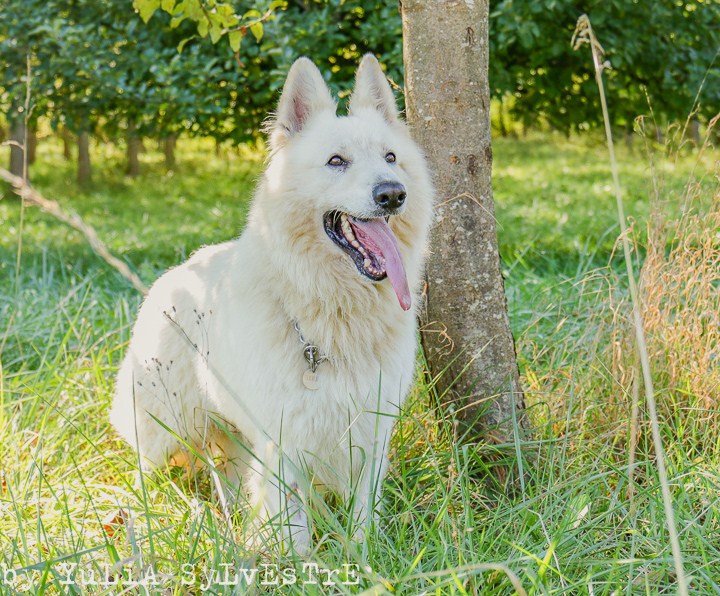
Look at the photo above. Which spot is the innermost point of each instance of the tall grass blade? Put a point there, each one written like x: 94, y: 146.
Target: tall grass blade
x: 584, y: 34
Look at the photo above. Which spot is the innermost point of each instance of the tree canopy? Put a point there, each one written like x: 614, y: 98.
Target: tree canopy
x: 214, y: 67
x: 96, y: 65
x: 662, y: 54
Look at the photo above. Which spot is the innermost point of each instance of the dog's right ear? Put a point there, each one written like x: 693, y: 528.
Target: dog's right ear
x: 304, y: 94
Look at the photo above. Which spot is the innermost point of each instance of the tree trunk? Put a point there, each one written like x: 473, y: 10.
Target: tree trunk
x: 695, y: 132
x: 67, y: 143
x: 466, y: 332
x: 32, y: 142
x: 169, y: 149
x: 17, y: 147
x: 501, y: 118
x: 133, y: 150
x: 84, y: 172
x: 629, y: 136
x: 659, y: 137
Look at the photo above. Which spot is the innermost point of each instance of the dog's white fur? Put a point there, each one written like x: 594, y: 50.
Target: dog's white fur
x: 216, y: 334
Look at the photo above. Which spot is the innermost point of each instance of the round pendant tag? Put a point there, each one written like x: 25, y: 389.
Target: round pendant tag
x: 310, y: 380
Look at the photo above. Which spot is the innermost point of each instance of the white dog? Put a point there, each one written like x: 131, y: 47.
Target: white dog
x: 300, y: 336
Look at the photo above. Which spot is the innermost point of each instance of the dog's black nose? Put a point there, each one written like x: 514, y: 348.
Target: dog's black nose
x: 389, y: 195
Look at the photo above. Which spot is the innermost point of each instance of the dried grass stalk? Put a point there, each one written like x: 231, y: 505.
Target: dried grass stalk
x: 680, y: 288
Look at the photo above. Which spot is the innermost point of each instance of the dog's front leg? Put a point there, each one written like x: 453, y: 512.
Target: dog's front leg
x: 276, y: 488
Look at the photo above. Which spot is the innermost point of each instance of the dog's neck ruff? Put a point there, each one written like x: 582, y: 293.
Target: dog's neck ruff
x: 313, y: 357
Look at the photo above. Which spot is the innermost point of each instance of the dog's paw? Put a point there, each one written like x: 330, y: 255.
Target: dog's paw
x: 269, y: 536
x: 299, y: 541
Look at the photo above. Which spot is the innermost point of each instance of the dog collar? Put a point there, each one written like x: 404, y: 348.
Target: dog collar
x: 313, y: 357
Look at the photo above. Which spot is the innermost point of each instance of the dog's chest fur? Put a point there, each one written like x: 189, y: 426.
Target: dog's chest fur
x: 253, y: 369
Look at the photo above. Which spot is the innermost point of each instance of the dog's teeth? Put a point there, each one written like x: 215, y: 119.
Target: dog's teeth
x: 367, y: 263
x: 356, y: 244
x: 348, y: 232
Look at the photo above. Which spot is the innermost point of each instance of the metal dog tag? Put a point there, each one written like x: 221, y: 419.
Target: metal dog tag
x: 310, y: 380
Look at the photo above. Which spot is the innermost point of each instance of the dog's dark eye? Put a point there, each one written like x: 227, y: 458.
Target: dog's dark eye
x: 336, y: 161
x: 390, y: 157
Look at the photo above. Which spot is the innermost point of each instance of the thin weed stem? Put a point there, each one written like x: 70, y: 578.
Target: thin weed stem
x: 584, y: 34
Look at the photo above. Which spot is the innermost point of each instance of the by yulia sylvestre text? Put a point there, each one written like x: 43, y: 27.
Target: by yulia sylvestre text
x: 106, y: 575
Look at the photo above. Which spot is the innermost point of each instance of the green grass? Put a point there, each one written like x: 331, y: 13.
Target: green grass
x: 453, y: 523
x: 556, y: 208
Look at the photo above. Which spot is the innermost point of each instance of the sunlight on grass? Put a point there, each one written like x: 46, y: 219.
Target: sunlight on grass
x: 455, y: 520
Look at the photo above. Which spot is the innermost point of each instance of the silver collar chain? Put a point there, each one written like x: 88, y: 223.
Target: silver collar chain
x: 311, y: 352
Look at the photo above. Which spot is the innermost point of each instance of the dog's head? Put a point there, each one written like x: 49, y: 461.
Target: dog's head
x: 351, y: 190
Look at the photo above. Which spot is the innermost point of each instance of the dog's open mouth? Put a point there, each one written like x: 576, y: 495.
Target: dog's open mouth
x: 372, y: 246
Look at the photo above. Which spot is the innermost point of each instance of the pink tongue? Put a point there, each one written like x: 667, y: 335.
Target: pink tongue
x: 377, y: 233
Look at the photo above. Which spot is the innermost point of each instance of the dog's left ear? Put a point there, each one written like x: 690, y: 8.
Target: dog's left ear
x: 373, y: 91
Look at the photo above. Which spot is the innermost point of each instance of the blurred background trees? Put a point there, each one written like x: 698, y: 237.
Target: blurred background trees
x: 214, y: 68
x: 663, y: 55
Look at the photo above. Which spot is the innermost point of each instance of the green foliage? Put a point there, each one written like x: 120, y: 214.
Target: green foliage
x: 336, y: 34
x: 662, y: 53
x: 23, y: 29
x: 96, y: 65
x: 213, y: 18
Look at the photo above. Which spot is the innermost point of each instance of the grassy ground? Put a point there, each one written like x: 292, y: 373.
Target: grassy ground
x: 580, y: 523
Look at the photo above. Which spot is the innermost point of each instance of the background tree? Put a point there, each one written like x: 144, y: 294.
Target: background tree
x: 22, y: 30
x: 466, y: 332
x: 661, y: 52
x: 101, y: 67
x: 336, y: 33
x: 96, y: 68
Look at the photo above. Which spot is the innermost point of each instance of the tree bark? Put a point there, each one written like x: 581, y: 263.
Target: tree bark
x: 466, y: 332
x: 17, y: 147
x: 695, y: 132
x: 169, y: 149
x: 629, y: 136
x: 501, y: 118
x: 32, y: 142
x: 133, y: 150
x: 67, y: 143
x: 659, y: 136
x: 84, y: 171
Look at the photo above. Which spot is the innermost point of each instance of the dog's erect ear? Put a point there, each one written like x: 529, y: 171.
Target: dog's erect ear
x: 304, y: 94
x: 372, y: 90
